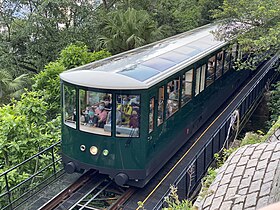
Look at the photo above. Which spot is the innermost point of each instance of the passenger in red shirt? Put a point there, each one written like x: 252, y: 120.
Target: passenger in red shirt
x: 100, y: 116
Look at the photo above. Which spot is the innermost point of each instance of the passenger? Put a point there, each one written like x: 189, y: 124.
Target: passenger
x: 118, y: 117
x: 108, y: 105
x: 135, y: 101
x: 169, y: 108
x: 74, y: 115
x: 86, y: 114
x: 82, y: 117
x: 172, y: 95
x: 210, y: 68
x: 100, y: 116
x: 134, y: 120
x: 126, y: 111
x: 90, y: 115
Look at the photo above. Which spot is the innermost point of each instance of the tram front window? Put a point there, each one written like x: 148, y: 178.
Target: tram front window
x: 69, y: 106
x: 95, y: 108
x: 127, y: 115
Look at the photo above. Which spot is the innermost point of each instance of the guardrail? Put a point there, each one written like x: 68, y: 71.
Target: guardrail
x: 46, y: 166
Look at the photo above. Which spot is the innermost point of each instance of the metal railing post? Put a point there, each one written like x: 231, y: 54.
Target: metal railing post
x: 8, y: 189
x: 53, y: 161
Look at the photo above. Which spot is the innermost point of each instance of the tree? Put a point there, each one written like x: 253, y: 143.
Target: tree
x: 125, y: 30
x: 36, y: 31
x: 179, y: 15
x: 207, y: 7
x: 11, y: 87
x: 255, y: 24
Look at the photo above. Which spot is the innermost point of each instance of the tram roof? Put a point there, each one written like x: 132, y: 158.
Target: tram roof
x: 143, y: 67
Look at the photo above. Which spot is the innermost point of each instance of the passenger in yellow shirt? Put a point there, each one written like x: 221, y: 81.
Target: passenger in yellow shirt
x: 126, y: 110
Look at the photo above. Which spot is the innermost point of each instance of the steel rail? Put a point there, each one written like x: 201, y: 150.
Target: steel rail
x: 128, y: 193
x: 68, y: 191
x: 95, y: 195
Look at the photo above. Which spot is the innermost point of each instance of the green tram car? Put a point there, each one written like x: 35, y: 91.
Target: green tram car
x: 128, y: 114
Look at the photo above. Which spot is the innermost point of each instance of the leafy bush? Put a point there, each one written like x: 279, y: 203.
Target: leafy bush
x: 33, y: 123
x: 174, y: 203
x: 274, y: 103
x: 252, y: 138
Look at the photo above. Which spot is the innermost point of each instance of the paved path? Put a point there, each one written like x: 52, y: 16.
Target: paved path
x: 249, y: 179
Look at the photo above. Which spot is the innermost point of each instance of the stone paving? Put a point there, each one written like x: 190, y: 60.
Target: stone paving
x: 249, y: 179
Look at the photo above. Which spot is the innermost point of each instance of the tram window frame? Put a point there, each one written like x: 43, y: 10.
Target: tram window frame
x: 186, y: 85
x: 197, y: 80
x: 220, y: 64
x: 151, y: 114
x: 234, y: 53
x: 227, y: 60
x: 211, y: 70
x: 160, y: 105
x: 137, y: 112
x: 203, y: 77
x: 90, y: 105
x: 74, y: 112
x: 172, y: 102
x: 200, y: 79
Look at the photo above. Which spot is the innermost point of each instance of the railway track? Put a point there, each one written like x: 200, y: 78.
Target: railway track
x: 92, y: 191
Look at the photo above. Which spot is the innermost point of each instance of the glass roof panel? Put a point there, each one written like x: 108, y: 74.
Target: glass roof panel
x: 139, y: 72
x: 159, y: 64
x: 175, y: 57
x: 199, y: 45
x: 187, y: 51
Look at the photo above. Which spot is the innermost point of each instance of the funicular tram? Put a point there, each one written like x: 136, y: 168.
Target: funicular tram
x: 126, y: 115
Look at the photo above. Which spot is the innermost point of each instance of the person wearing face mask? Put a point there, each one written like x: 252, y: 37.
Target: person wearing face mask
x: 100, y: 116
x: 126, y: 110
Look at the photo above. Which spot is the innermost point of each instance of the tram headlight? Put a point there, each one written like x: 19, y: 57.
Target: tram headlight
x: 93, y: 150
x: 105, y: 152
x: 83, y: 148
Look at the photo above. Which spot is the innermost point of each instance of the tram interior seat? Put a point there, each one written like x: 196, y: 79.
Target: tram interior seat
x: 133, y: 132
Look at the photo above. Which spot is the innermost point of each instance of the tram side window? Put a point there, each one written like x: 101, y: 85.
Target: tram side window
x: 200, y: 79
x: 227, y: 60
x: 173, y: 89
x: 219, y: 67
x: 211, y: 71
x: 160, y: 105
x: 95, y: 110
x: 151, y: 115
x: 69, y: 106
x: 127, y: 115
x: 187, y: 87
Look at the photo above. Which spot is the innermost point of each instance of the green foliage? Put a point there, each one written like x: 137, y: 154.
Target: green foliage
x: 75, y: 55
x: 274, y: 103
x: 275, y: 126
x: 11, y: 86
x: 47, y: 84
x: 174, y: 203
x: 177, y: 16
x: 252, y: 138
x: 223, y: 156
x: 255, y: 24
x: 78, y: 55
x: 207, y: 181
x: 24, y: 129
x: 125, y: 30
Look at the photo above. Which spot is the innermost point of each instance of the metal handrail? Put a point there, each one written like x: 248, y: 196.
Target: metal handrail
x: 32, y: 157
x: 11, y: 200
